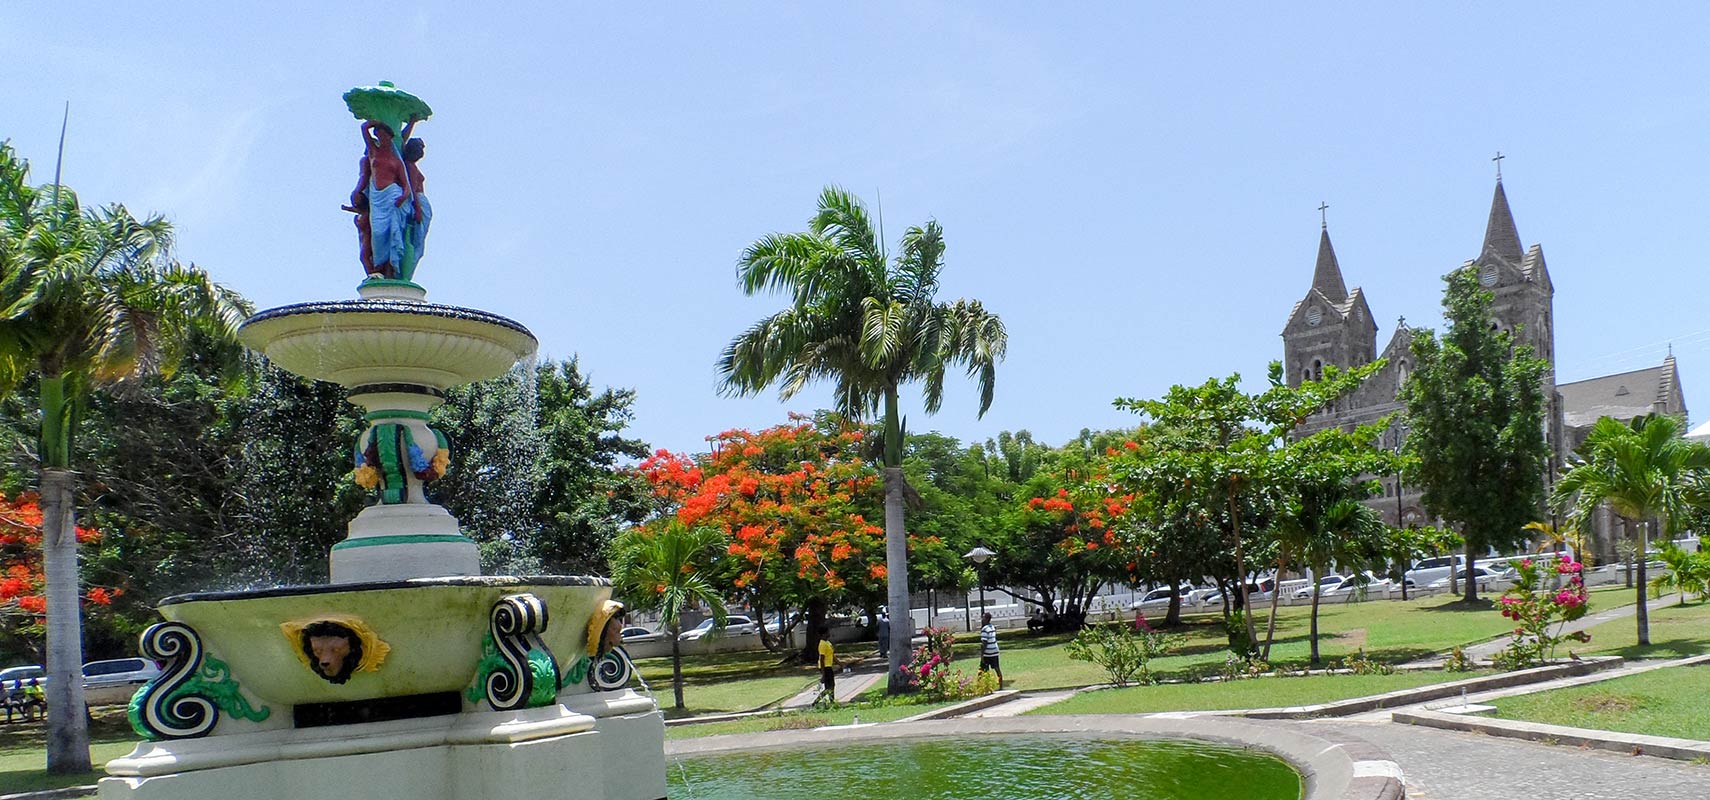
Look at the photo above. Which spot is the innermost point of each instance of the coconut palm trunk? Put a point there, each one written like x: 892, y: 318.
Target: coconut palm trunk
x: 1317, y: 570
x: 1641, y: 611
x: 896, y: 548
x: 67, y: 725
x: 677, y: 664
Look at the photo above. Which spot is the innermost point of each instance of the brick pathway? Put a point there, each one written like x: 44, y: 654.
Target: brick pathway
x: 1448, y: 765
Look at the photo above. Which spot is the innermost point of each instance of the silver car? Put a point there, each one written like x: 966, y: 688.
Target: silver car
x: 119, y: 672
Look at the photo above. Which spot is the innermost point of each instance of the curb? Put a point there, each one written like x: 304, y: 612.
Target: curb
x: 1439, y: 691
x: 1628, y: 743
x: 996, y: 698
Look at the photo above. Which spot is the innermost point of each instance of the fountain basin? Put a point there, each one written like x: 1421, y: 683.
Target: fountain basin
x: 432, y: 629
x: 377, y: 342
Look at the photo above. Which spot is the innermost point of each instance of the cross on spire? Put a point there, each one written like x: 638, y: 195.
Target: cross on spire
x: 1498, y: 160
x: 1323, y: 220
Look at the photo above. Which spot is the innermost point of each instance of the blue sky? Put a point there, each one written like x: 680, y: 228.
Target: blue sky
x: 1133, y: 187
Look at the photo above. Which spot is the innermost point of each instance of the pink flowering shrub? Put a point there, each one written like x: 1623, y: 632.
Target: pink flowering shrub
x: 1540, y: 613
x: 929, y: 670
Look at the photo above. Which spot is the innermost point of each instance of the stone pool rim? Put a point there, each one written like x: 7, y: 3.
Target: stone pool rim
x: 1328, y: 770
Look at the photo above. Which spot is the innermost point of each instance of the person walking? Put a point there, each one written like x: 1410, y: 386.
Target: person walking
x: 884, y: 634
x: 827, y: 669
x: 989, y: 647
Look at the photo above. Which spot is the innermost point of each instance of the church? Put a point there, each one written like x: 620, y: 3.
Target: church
x: 1333, y: 325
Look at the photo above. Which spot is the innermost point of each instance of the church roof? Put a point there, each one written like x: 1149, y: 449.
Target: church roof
x: 1327, y: 275
x: 1624, y: 395
x: 1501, y: 237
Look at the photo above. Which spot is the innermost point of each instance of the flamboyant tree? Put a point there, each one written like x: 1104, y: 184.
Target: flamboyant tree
x: 23, y: 600
x: 796, y: 503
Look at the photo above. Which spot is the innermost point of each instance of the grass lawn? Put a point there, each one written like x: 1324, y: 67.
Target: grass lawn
x: 23, y: 759
x: 806, y: 719
x: 725, y: 682
x: 1664, y: 702
x: 1676, y: 632
x: 1388, y: 630
x: 1248, y: 693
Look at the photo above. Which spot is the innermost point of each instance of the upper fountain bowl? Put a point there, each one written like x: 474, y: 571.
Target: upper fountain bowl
x: 381, y: 341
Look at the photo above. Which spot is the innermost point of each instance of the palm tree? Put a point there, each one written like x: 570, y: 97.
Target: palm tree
x: 663, y: 567
x: 88, y: 299
x: 1350, y: 533
x: 1645, y: 471
x: 870, y: 324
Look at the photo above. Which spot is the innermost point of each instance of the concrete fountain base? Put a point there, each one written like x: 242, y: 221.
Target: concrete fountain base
x: 583, y: 748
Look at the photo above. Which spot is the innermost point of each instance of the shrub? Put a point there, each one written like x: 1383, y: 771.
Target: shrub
x: 1122, y: 652
x: 1458, y: 661
x: 1361, y: 664
x: 1535, y: 609
x: 929, y: 670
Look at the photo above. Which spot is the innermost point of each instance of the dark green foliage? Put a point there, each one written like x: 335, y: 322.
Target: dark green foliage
x: 1475, y: 406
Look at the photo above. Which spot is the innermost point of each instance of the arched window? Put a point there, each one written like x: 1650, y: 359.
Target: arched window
x: 1400, y: 373
x: 1317, y: 369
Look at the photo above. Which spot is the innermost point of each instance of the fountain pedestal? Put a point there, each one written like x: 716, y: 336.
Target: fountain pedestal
x: 410, y: 675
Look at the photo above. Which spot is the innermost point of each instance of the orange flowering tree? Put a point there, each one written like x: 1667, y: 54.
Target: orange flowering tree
x: 800, y: 505
x: 23, y: 606
x: 1066, y: 536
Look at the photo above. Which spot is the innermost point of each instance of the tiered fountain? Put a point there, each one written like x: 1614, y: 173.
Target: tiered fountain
x: 410, y: 674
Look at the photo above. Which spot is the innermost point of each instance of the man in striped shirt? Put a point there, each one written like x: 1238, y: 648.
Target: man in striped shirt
x: 989, y: 647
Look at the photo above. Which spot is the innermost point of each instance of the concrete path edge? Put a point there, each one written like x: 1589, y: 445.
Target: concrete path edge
x: 1629, y: 743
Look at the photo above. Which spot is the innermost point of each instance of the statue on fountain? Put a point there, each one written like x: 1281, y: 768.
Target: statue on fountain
x: 392, y: 213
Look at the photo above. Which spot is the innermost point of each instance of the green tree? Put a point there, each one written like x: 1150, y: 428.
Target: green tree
x: 1475, y: 407
x: 1646, y: 473
x: 92, y: 297
x: 1223, y: 451
x: 664, y: 567
x: 870, y: 324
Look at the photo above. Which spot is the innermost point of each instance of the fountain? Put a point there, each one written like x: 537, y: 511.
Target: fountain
x: 410, y: 672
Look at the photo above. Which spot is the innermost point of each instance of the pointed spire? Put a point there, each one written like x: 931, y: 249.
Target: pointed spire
x: 1327, y: 276
x: 1501, y: 238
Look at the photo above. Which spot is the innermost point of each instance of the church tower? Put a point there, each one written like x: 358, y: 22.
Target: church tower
x: 1330, y: 325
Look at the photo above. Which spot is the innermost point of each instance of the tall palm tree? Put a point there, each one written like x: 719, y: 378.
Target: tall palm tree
x: 870, y: 324
x: 663, y: 567
x: 88, y: 298
x: 1646, y: 473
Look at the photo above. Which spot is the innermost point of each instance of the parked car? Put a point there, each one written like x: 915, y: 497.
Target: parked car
x: 1259, y: 592
x: 1324, y: 584
x: 1425, y: 571
x: 1354, y: 584
x: 12, y: 675
x: 118, y: 672
x: 1484, y: 576
x: 734, y: 625
x: 1157, y: 599
x: 635, y: 634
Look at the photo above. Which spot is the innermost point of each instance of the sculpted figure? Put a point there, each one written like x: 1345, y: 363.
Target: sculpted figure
x: 389, y: 199
x: 423, y: 217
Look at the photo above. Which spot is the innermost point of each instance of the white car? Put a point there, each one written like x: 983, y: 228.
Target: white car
x: 635, y: 634
x: 1157, y: 599
x: 119, y: 672
x: 11, y: 675
x: 1427, y: 571
x: 1483, y: 575
x: 1354, y: 584
x: 734, y: 625
x: 1324, y: 584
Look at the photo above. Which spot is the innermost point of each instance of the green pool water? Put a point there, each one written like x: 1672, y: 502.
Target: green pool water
x: 991, y: 768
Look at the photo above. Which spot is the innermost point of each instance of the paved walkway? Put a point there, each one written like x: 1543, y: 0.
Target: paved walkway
x: 849, y: 687
x: 1448, y: 765
x: 1022, y: 704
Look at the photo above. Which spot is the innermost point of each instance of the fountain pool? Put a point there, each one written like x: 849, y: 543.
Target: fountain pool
x: 1005, y: 767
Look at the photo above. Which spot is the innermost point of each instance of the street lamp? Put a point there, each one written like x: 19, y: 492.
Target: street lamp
x: 979, y: 555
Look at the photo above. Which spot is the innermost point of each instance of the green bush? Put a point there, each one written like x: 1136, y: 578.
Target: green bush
x: 1122, y: 652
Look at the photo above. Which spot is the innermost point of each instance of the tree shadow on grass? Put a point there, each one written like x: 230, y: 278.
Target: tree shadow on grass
x: 1484, y: 604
